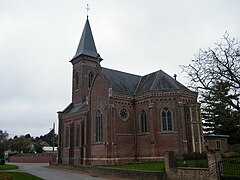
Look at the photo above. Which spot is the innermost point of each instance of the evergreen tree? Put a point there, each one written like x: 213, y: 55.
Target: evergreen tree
x: 49, y: 138
x: 219, y: 117
x: 3, y: 143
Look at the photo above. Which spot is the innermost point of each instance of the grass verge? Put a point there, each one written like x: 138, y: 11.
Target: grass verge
x: 8, y: 167
x: 17, y: 176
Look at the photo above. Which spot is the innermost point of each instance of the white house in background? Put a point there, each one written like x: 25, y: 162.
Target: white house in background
x: 49, y: 149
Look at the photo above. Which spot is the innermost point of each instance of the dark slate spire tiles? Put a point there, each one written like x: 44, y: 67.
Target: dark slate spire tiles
x: 86, y: 45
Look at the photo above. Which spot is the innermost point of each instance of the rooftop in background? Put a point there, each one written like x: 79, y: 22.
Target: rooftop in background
x: 215, y: 135
x: 49, y: 149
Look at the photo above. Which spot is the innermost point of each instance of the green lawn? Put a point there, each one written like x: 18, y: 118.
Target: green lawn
x: 17, y: 176
x: 149, y: 166
x: 230, y: 167
x: 8, y: 167
x: 159, y: 166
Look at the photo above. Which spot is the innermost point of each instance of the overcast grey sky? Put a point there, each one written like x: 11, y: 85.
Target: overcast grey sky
x: 39, y: 37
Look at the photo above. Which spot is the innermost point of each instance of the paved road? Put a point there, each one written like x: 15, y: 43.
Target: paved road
x: 41, y: 170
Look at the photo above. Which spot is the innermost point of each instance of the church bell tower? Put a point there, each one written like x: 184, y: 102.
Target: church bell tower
x: 86, y: 64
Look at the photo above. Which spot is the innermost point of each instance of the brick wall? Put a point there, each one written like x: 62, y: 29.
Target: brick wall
x: 32, y: 158
x: 211, y: 142
x: 186, y: 173
x: 123, y: 141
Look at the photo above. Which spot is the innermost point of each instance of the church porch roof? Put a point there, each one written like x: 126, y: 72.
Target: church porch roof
x: 74, y: 108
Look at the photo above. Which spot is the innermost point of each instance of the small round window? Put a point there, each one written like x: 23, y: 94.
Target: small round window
x: 123, y: 114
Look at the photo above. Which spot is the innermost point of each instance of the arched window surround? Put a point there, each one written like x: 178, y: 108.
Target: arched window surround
x: 76, y: 80
x: 98, y: 127
x: 90, y: 79
x: 78, y: 135
x: 166, y: 119
x: 143, y: 122
x: 67, y: 137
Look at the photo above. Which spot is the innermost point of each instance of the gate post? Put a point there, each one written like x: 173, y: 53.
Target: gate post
x: 214, y: 165
x: 170, y: 167
x: 169, y: 160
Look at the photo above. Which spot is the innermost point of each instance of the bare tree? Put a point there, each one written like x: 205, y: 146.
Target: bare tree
x: 214, y: 65
x: 215, y: 74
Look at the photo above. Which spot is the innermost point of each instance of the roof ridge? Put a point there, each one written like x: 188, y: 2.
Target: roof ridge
x: 139, y: 82
x: 155, y: 79
x: 121, y: 71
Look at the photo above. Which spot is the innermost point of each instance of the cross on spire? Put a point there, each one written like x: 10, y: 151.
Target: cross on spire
x: 88, y: 9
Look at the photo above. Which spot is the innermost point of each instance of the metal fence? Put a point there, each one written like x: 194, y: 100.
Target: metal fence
x: 201, y: 163
x: 231, y: 166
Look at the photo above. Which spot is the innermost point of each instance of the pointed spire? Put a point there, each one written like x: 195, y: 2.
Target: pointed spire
x: 86, y: 45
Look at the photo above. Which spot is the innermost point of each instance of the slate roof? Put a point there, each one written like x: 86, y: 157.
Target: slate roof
x: 86, y: 45
x: 159, y: 80
x: 130, y: 84
x: 121, y: 82
x: 74, y: 108
x: 125, y: 83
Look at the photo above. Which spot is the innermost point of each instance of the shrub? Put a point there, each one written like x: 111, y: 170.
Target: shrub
x: 230, y: 155
x: 2, y: 161
x: 5, y: 176
x: 234, y: 148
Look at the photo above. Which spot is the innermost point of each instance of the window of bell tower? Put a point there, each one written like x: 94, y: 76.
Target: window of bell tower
x: 90, y: 79
x: 76, y: 81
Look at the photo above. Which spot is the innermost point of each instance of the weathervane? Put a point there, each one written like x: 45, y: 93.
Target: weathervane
x: 88, y: 9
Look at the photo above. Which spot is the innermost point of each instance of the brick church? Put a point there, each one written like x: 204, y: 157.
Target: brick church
x: 117, y: 117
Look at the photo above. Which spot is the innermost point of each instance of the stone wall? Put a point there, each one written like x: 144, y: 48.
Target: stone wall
x: 186, y: 173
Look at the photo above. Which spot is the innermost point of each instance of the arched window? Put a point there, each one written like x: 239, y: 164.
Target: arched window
x: 90, y: 79
x: 98, y: 129
x: 143, y: 122
x: 78, y: 135
x: 166, y: 115
x: 67, y: 136
x: 76, y: 81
